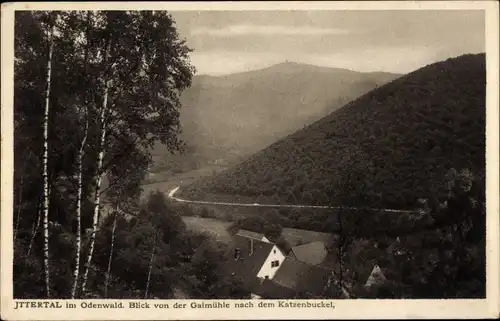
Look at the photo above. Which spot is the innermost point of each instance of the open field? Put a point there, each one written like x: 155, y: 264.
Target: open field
x: 216, y: 228
x: 165, y: 181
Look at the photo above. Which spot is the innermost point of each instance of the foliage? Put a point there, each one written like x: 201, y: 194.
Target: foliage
x: 257, y: 224
x: 206, y: 277
x: 446, y: 259
x: 284, y: 245
x: 148, y: 68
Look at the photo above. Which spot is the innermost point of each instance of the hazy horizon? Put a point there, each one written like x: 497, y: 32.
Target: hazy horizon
x: 228, y: 42
x: 290, y: 62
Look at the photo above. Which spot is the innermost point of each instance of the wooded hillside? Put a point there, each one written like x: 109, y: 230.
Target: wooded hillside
x: 394, y: 145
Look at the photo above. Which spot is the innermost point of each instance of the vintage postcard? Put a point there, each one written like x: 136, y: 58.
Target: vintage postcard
x: 250, y: 160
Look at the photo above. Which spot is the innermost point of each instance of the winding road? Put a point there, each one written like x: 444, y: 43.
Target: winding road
x: 174, y: 190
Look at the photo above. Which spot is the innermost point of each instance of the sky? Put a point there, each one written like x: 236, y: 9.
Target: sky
x: 226, y: 42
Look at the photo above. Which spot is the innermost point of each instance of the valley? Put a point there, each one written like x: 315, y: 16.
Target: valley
x: 228, y: 118
x: 379, y: 186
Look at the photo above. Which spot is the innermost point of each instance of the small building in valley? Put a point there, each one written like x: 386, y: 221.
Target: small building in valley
x: 248, y: 257
x: 376, y: 277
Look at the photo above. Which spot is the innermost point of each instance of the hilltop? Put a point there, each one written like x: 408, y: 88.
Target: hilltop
x: 388, y: 148
x: 226, y: 118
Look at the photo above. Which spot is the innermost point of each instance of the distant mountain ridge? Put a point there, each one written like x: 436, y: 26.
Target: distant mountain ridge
x: 288, y: 67
x: 387, y: 148
x: 241, y: 113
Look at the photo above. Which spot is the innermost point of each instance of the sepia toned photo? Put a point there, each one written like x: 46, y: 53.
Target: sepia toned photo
x: 257, y: 158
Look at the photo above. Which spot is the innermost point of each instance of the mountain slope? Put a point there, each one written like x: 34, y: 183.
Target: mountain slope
x: 239, y: 114
x: 387, y: 148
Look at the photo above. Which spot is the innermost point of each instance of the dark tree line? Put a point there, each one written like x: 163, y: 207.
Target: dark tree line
x: 438, y: 252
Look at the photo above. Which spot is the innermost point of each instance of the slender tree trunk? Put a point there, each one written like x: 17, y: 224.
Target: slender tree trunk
x: 334, y: 279
x: 97, y: 197
x: 110, y: 259
x: 19, y: 203
x: 35, y: 232
x: 342, y: 241
x: 150, y: 267
x: 45, y: 168
x: 36, y: 226
x: 341, y: 247
x: 78, y: 245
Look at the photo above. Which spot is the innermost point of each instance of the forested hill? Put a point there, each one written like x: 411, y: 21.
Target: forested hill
x: 388, y: 148
x: 233, y: 116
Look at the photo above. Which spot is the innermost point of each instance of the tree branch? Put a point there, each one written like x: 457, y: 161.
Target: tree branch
x: 129, y: 147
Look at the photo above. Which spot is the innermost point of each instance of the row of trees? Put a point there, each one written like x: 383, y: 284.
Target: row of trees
x: 147, y: 255
x: 93, y: 91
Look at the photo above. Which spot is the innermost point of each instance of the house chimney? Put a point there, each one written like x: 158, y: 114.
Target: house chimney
x: 251, y: 247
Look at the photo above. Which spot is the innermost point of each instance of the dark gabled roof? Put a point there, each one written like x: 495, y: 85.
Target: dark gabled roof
x: 302, y: 277
x: 247, y: 266
x: 250, y: 234
x: 268, y: 289
x: 313, y: 253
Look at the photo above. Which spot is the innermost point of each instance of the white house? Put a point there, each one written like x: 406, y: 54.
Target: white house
x: 271, y: 264
x: 251, y: 255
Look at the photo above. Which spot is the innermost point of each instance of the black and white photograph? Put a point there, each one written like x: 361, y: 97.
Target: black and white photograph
x: 256, y: 154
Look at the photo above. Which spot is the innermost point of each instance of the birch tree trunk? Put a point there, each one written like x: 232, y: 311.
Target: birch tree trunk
x: 150, y: 267
x: 341, y: 246
x: 19, y: 203
x: 36, y: 226
x: 110, y: 259
x: 45, y: 167
x: 78, y: 245
x: 97, y: 197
